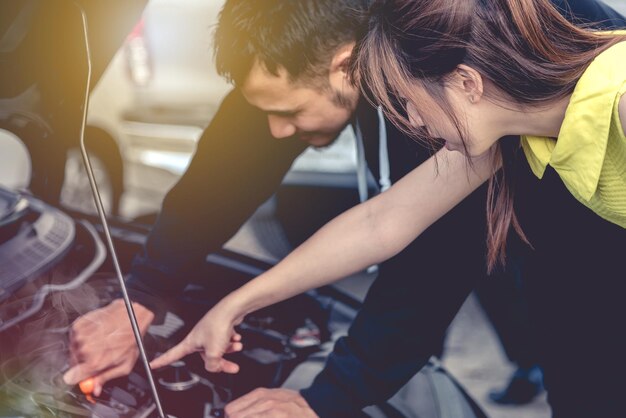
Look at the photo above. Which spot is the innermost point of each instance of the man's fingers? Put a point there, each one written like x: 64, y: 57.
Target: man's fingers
x: 262, y: 408
x: 270, y: 413
x: 113, y: 373
x: 273, y: 403
x: 77, y: 374
x: 172, y: 355
x: 245, y: 401
x: 76, y: 356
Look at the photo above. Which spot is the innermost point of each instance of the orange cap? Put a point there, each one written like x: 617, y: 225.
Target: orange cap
x: 87, y: 386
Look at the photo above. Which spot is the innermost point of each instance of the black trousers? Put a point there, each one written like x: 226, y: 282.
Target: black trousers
x: 575, y: 279
x: 503, y: 299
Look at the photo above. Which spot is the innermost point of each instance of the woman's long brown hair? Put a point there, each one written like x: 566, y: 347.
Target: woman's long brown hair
x: 525, y: 50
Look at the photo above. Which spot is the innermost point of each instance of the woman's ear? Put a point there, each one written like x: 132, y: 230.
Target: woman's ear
x: 471, y: 82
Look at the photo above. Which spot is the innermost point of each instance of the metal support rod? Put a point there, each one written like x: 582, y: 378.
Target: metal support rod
x: 105, y: 225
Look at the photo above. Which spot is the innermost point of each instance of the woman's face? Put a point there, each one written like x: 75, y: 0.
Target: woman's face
x: 474, y: 114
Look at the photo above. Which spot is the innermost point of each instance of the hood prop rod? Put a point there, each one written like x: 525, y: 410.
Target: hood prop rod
x: 98, y: 201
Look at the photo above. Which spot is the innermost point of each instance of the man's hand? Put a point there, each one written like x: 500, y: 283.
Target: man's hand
x: 103, y: 346
x: 270, y: 403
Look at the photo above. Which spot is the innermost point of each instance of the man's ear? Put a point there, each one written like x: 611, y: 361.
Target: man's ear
x: 339, y: 65
x: 470, y: 81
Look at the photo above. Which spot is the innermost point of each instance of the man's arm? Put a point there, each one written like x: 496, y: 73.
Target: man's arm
x: 237, y: 166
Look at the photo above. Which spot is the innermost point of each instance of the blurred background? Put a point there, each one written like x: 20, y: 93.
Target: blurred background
x: 148, y: 112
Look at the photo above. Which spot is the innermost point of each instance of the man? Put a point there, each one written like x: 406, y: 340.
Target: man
x: 289, y: 62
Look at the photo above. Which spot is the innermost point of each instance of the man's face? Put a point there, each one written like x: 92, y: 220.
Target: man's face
x: 311, y: 113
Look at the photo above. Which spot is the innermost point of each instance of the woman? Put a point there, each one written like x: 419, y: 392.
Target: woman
x: 465, y: 74
x: 473, y: 72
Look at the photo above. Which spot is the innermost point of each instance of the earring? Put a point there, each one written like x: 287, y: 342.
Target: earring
x: 472, y: 99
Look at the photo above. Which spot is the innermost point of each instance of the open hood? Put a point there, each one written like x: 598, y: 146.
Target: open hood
x: 43, y: 66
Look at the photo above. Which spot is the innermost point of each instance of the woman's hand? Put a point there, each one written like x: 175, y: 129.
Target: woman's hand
x: 212, y: 337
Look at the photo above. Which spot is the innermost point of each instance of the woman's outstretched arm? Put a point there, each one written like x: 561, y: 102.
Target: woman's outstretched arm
x: 364, y: 235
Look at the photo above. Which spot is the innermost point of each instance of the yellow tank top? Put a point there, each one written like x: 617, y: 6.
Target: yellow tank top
x: 590, y: 153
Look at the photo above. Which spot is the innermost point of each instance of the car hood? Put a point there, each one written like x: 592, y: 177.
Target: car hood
x: 43, y: 64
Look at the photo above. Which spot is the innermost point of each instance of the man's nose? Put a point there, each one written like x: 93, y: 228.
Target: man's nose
x: 280, y: 127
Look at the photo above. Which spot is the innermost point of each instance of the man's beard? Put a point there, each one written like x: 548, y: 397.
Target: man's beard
x: 342, y: 100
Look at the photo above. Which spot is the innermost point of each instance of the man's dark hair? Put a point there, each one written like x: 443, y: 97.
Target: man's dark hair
x: 299, y: 35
